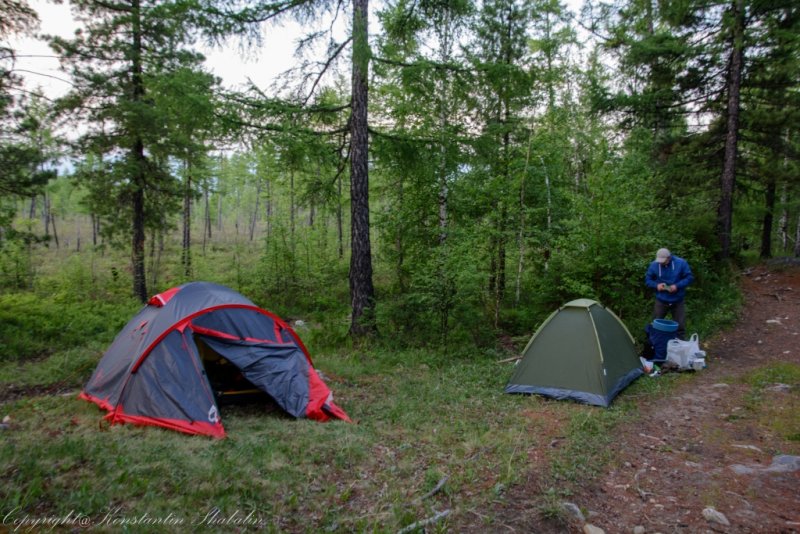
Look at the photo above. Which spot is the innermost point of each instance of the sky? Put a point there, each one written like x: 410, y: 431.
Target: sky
x: 234, y: 66
x: 41, y: 69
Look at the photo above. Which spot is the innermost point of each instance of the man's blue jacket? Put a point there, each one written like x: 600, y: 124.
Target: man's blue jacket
x: 676, y: 272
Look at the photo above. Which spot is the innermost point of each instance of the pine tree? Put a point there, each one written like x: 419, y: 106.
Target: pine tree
x: 500, y: 54
x: 771, y: 112
x: 117, y: 62
x: 694, y: 60
x: 223, y: 19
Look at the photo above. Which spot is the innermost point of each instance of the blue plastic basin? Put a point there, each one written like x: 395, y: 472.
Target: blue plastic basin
x: 665, y: 325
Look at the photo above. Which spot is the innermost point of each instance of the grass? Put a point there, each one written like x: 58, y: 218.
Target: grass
x: 421, y: 417
x: 416, y: 425
x: 776, y: 410
x: 424, y: 418
x: 67, y: 368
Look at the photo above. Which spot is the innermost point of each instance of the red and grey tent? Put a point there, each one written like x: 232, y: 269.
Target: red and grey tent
x: 154, y: 371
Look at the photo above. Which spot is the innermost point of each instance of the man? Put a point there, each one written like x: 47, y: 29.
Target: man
x: 668, y: 276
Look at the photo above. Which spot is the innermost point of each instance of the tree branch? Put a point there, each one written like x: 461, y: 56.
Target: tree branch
x: 325, y: 67
x: 424, y: 522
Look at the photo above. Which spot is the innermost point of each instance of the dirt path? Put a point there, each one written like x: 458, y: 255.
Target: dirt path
x: 704, y: 446
x: 708, y: 444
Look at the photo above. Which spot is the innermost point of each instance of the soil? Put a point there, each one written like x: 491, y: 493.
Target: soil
x: 706, y: 445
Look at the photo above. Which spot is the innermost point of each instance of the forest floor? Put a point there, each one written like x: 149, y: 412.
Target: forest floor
x: 718, y: 453
x: 716, y: 450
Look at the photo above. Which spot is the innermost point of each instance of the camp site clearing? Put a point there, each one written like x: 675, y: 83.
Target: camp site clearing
x: 434, y: 438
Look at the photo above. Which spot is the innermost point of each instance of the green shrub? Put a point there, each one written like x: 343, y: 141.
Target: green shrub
x: 32, y: 326
x: 16, y: 269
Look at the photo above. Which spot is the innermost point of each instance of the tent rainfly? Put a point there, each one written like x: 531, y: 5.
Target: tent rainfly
x: 194, y: 344
x: 582, y: 352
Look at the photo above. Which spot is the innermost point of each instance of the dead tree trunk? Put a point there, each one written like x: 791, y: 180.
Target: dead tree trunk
x: 254, y: 219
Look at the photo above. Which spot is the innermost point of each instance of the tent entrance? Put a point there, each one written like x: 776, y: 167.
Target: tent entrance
x: 228, y: 384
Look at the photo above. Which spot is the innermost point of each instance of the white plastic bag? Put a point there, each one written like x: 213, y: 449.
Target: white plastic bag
x: 683, y: 353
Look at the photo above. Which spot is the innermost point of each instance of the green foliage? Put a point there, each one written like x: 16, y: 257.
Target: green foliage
x: 65, y: 313
x: 589, y: 259
x: 16, y: 268
x: 491, y: 169
x: 32, y: 327
x: 65, y: 368
x: 670, y: 56
x: 443, y: 301
x: 715, y: 300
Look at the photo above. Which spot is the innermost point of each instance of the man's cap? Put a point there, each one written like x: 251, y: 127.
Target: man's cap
x: 663, y: 255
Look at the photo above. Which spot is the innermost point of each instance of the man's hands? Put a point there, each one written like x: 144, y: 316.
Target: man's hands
x: 664, y: 287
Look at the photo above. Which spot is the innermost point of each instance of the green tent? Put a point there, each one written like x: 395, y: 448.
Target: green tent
x: 581, y: 352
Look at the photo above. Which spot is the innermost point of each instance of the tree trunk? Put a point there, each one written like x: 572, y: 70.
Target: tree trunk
x: 138, y: 154
x: 291, y: 210
x: 797, y: 239
x: 46, y: 215
x: 399, y: 244
x: 549, y: 214
x: 152, y: 257
x: 219, y: 214
x: 186, y: 249
x: 99, y: 234
x: 254, y: 219
x: 728, y: 179
x: 445, y: 49
x: 269, y: 210
x: 95, y: 228
x: 362, y: 292
x: 500, y: 286
x: 766, y: 224
x: 55, y: 232
x: 137, y: 243
x: 521, y: 228
x: 206, y: 219
x: 238, y: 209
x: 312, y: 211
x: 783, y: 225
x: 339, y: 217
